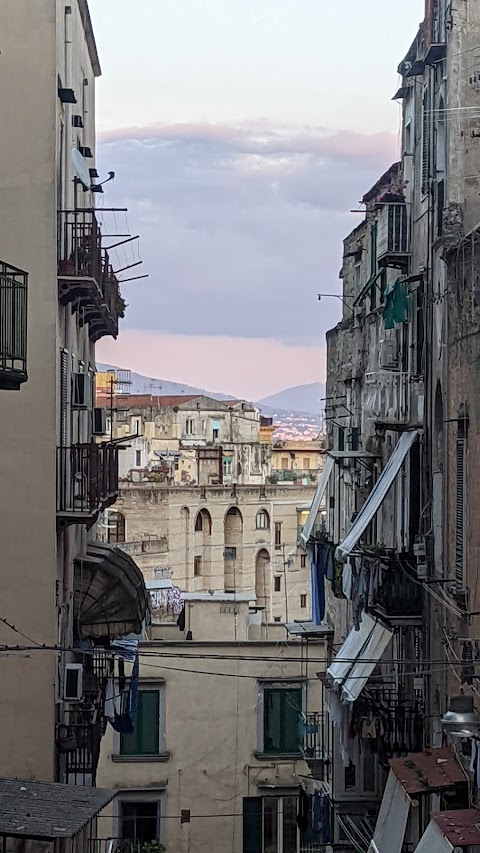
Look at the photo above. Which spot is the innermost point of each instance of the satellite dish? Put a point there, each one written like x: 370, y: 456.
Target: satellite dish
x: 81, y: 169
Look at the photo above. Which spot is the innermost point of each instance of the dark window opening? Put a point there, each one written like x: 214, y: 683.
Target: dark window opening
x: 140, y: 821
x: 277, y: 583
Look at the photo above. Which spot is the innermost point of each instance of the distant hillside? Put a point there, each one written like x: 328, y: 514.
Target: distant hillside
x: 301, y: 398
x: 294, y: 421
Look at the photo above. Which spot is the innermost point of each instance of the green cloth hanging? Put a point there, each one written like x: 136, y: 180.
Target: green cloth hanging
x: 395, y: 309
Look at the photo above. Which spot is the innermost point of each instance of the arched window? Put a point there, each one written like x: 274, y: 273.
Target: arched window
x: 115, y: 527
x: 262, y: 521
x: 203, y: 522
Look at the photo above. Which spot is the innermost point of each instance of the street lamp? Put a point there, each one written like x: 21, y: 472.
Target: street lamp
x: 461, y: 718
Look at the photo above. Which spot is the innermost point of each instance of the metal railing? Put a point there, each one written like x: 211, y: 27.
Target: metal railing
x: 119, y: 845
x: 13, y: 326
x: 79, y: 244
x: 316, y: 744
x: 393, y: 230
x: 87, y: 478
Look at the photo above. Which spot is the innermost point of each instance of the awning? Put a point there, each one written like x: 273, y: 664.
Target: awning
x: 48, y: 810
x: 453, y: 828
x: 309, y: 629
x: 392, y: 818
x: 377, y: 495
x: 358, y: 657
x: 110, y: 597
x: 412, y: 775
x: 316, y: 503
x: 434, y: 841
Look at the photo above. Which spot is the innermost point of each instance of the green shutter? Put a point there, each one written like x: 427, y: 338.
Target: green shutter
x: 281, y: 720
x: 252, y: 825
x: 145, y: 739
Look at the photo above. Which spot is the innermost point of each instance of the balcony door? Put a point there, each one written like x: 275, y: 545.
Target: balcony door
x: 270, y: 825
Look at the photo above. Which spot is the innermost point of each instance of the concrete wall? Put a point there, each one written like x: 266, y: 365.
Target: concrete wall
x: 156, y: 510
x: 213, y: 760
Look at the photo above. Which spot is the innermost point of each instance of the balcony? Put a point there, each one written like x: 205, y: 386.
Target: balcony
x: 393, y: 237
x: 87, y: 482
x: 85, y: 275
x: 316, y: 744
x: 13, y: 327
x: 124, y: 845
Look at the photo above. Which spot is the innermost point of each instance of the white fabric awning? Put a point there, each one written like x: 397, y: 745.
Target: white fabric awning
x: 358, y: 657
x: 392, y: 818
x: 377, y: 495
x: 434, y: 841
x: 317, y: 501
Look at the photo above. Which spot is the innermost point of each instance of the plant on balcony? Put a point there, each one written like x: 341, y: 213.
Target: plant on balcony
x: 152, y: 847
x: 394, y: 191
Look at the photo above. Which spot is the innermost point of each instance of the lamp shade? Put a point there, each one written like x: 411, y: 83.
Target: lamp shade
x: 461, y: 718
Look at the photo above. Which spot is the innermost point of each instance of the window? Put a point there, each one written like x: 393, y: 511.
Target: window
x: 460, y: 504
x: 269, y: 825
x: 373, y: 265
x: 341, y: 438
x: 355, y: 438
x: 277, y: 618
x: 278, y: 535
x: 303, y: 601
x: 197, y: 567
x: 216, y: 430
x: 189, y: 426
x: 306, y: 464
x: 285, y: 463
x: 227, y: 466
x: 115, y: 527
x: 230, y: 553
x: 277, y: 583
x: 282, y: 706
x: 204, y: 426
x: 140, y: 820
x: 262, y: 521
x: 216, y: 433
x: 425, y: 141
x: 350, y: 777
x: 138, y: 458
x: 145, y: 740
x: 303, y: 561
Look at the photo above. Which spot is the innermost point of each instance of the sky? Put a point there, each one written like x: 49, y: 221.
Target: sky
x: 242, y: 133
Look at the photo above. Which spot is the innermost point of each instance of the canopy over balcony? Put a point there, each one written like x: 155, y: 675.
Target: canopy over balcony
x: 110, y: 595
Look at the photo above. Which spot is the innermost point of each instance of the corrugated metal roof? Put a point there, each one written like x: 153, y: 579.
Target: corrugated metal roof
x: 421, y: 772
x: 47, y: 809
x: 462, y: 827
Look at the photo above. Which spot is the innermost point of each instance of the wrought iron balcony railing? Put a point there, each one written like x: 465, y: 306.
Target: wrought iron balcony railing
x: 393, y: 236
x: 87, y: 480
x: 13, y: 327
x: 316, y: 745
x: 85, y: 274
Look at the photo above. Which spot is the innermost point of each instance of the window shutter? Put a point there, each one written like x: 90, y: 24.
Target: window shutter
x: 460, y: 515
x: 63, y: 397
x: 252, y: 825
x: 425, y: 141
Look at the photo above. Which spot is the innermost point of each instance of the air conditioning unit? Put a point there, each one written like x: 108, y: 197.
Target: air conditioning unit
x: 99, y: 421
x: 80, y: 388
x: 73, y: 682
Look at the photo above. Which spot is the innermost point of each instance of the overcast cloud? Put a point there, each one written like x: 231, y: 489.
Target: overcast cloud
x: 240, y: 226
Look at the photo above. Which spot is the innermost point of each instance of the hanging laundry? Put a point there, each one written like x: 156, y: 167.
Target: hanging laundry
x: 181, y: 620
x: 109, y: 704
x: 125, y: 722
x: 395, y: 308
x: 347, y: 578
x: 303, y: 809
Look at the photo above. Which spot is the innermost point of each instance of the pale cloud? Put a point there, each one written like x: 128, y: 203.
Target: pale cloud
x: 241, y: 224
x: 247, y: 368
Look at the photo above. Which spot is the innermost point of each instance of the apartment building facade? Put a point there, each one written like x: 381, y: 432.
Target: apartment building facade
x: 401, y: 469
x: 227, y: 538
x: 298, y: 461
x: 201, y: 774
x: 188, y: 439
x: 56, y: 587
